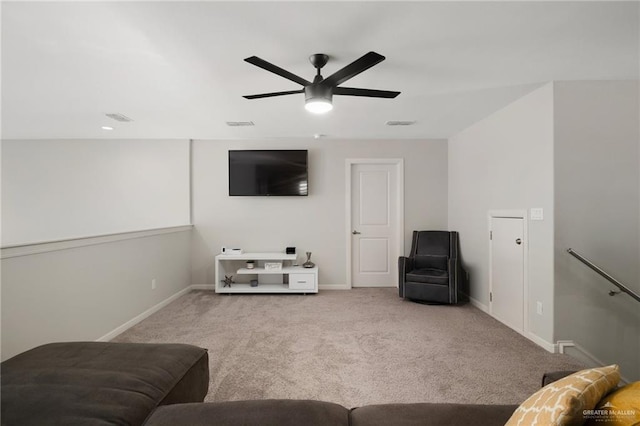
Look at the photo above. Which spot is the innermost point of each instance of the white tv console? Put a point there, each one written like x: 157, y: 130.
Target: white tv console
x: 290, y: 279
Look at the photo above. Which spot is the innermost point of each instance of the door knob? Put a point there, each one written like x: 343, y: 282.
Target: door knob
x: 355, y: 232
x: 518, y: 241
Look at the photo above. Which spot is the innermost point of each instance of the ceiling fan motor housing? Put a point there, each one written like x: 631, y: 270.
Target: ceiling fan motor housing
x: 318, y: 60
x: 317, y: 92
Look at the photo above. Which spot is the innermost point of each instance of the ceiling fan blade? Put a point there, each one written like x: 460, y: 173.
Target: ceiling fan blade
x: 270, y: 95
x: 370, y: 93
x: 354, y: 68
x: 254, y: 60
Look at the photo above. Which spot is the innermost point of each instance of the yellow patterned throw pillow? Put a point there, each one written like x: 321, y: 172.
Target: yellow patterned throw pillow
x: 563, y: 402
x: 620, y: 408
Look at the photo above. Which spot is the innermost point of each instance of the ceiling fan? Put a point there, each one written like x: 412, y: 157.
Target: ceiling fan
x: 319, y: 93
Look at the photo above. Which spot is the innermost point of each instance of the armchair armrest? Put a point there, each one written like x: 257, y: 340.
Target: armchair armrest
x: 404, y: 264
x: 453, y: 268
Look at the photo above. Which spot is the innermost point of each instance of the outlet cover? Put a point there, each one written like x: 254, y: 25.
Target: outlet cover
x: 539, y: 308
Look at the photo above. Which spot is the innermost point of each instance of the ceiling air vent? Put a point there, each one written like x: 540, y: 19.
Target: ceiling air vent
x: 239, y: 123
x: 400, y: 123
x: 118, y: 117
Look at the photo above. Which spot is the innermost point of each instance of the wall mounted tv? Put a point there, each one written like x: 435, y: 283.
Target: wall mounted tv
x: 268, y: 173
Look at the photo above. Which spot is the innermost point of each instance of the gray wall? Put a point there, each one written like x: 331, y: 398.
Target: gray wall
x: 86, y: 292
x: 315, y: 223
x: 597, y: 201
x: 505, y: 162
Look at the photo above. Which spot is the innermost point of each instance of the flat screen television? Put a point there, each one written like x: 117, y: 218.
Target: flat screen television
x: 268, y: 173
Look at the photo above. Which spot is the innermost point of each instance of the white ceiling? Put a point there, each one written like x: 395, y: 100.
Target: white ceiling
x: 177, y: 69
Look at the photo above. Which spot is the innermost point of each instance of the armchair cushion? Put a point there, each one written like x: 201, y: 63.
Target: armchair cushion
x: 428, y: 276
x: 426, y: 261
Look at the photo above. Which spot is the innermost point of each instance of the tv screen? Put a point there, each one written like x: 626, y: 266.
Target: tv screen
x: 268, y: 172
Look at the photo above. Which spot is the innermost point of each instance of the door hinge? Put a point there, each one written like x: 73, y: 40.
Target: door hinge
x: 490, y: 297
x: 491, y: 235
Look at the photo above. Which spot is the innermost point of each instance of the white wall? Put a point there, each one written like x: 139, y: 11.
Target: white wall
x: 505, y: 162
x: 597, y: 201
x: 315, y: 223
x: 58, y: 189
x: 86, y: 292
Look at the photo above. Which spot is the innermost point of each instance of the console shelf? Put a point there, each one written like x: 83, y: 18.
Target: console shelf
x: 284, y: 270
x: 289, y: 279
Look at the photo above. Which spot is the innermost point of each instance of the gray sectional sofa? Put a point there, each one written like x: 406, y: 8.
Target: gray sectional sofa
x: 99, y: 383
x: 93, y: 383
x: 319, y: 413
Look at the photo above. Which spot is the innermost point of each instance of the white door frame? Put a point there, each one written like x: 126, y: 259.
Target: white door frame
x: 399, y: 249
x: 516, y: 214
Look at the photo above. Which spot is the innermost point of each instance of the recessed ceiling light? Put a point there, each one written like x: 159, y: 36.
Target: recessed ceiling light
x: 400, y: 123
x: 107, y: 128
x: 118, y: 117
x: 239, y: 123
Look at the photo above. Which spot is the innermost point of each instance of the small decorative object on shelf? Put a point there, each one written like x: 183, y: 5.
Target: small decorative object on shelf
x: 308, y: 263
x: 227, y: 250
x: 250, y: 264
x: 228, y: 280
x: 273, y: 266
x: 254, y: 283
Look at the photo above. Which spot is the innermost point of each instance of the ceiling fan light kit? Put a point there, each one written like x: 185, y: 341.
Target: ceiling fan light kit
x: 318, y: 99
x: 319, y: 93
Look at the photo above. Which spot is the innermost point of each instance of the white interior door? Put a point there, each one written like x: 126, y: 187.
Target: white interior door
x: 507, y: 271
x: 374, y: 225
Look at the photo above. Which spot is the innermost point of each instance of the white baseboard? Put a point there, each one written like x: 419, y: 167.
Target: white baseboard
x: 479, y: 305
x: 211, y: 287
x: 573, y: 349
x: 548, y: 346
x: 333, y: 287
x: 127, y: 325
x: 579, y: 352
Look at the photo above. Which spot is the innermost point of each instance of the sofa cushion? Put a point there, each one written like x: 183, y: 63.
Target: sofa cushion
x: 99, y: 383
x: 274, y: 412
x: 554, y: 376
x: 427, y: 414
x: 564, y: 402
x: 430, y: 276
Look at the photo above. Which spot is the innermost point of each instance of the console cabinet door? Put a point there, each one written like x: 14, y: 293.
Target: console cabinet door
x: 302, y: 282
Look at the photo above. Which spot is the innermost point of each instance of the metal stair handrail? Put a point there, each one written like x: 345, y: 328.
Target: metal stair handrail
x: 600, y: 271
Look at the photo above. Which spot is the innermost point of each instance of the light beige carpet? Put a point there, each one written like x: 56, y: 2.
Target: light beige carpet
x: 357, y: 347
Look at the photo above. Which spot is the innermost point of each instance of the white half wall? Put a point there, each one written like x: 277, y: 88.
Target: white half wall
x: 597, y: 198
x: 60, y: 189
x: 505, y: 162
x: 314, y: 223
x: 86, y: 292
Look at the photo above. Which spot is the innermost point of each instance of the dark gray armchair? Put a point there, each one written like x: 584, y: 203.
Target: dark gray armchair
x: 432, y: 273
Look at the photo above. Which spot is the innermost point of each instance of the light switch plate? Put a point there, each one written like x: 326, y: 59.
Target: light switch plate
x: 537, y: 214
